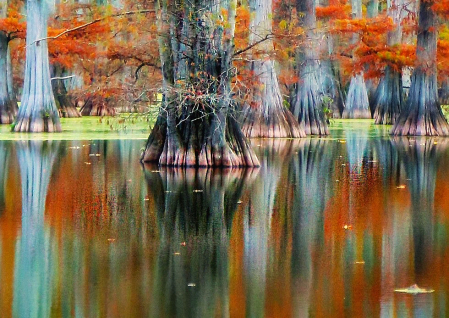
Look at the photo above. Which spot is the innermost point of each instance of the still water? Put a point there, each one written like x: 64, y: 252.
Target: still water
x: 324, y: 228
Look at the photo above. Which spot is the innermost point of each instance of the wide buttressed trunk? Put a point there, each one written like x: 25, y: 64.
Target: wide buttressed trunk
x: 307, y: 104
x: 388, y: 97
x: 357, y: 102
x: 64, y: 103
x: 422, y: 115
x: 388, y: 100
x: 264, y: 114
x: 38, y: 112
x: 195, y: 126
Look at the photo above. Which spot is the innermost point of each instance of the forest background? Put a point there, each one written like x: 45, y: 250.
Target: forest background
x: 256, y: 68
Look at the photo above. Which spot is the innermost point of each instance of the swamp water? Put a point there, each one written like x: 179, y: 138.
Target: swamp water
x: 324, y: 228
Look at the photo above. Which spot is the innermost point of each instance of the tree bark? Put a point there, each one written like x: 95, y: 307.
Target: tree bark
x: 7, y: 107
x: 64, y: 103
x: 388, y: 97
x: 265, y: 115
x: 307, y: 105
x: 196, y: 126
x: 38, y: 112
x: 357, y: 102
x: 422, y: 113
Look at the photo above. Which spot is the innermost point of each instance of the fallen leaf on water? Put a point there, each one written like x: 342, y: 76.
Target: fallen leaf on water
x: 360, y: 262
x: 111, y: 240
x: 176, y: 253
x: 414, y: 289
x: 239, y: 202
x: 402, y: 186
x: 155, y: 171
x: 183, y: 243
x: 197, y: 190
x: 146, y: 199
x: 347, y: 227
x: 87, y: 163
x: 191, y: 284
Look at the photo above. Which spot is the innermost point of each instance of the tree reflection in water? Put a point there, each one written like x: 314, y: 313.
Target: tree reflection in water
x: 35, y: 252
x: 258, y: 217
x: 195, y: 209
x: 311, y: 171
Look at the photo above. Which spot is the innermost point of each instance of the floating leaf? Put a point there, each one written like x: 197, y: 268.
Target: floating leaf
x: 414, y: 289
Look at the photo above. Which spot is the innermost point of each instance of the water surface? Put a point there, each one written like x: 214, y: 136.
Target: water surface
x: 324, y: 228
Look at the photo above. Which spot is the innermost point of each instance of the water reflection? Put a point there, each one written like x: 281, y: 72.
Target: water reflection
x: 324, y: 228
x: 35, y: 251
x: 195, y: 210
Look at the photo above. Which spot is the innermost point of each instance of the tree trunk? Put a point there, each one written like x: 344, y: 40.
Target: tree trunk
x: 265, y: 115
x: 65, y: 104
x: 96, y: 107
x: 422, y: 114
x: 443, y: 92
x: 7, y: 107
x: 388, y: 98
x: 307, y: 105
x: 38, y: 111
x: 196, y: 126
x: 357, y: 102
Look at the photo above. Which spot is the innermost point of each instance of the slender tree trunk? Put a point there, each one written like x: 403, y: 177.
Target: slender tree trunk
x: 422, y: 113
x: 388, y: 99
x: 357, y: 102
x: 37, y: 112
x: 65, y: 104
x: 196, y: 126
x: 372, y: 11
x: 307, y: 105
x: 265, y: 115
x: 7, y: 107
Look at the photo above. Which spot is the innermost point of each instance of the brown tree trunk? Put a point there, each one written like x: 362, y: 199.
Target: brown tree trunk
x: 65, y: 104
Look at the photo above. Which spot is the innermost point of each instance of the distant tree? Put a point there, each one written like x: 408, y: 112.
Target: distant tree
x: 264, y: 114
x: 38, y: 112
x: 307, y: 103
x: 422, y: 113
x: 389, y: 96
x: 357, y: 102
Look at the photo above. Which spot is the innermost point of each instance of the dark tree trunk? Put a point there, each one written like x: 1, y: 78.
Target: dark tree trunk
x: 65, y: 104
x: 307, y: 105
x: 357, y: 102
x: 389, y: 96
x: 388, y: 100
x: 265, y: 115
x: 422, y: 115
x: 443, y: 92
x: 196, y: 126
x: 38, y: 111
x: 96, y: 107
x: 7, y: 105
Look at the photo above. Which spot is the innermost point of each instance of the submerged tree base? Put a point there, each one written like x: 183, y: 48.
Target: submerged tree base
x: 196, y: 147
x: 422, y: 115
x: 37, y: 124
x: 388, y: 98
x: 357, y: 102
x: 278, y: 123
x: 6, y: 113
